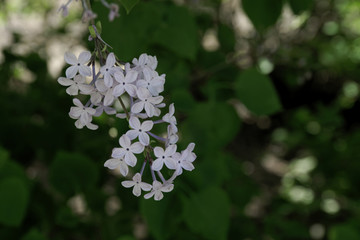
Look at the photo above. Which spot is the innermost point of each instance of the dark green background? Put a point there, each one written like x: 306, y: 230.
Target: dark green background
x: 274, y: 114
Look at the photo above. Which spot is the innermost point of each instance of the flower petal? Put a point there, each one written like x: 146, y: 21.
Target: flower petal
x: 131, y: 76
x: 65, y: 81
x: 158, y: 151
x: 72, y: 90
x: 124, y: 141
x: 157, y: 165
x: 144, y: 139
x: 137, y: 190
x: 85, y: 70
x: 112, y: 163
x: 147, y: 125
x: 132, y: 134
x: 71, y: 71
x: 137, y: 148
x: 134, y: 123
x: 70, y: 58
x: 137, y: 107
x: 124, y: 169
x: 130, y: 159
x: 158, y: 195
x: 84, y: 57
x: 128, y: 184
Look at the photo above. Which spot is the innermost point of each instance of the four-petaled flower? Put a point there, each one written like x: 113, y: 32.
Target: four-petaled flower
x: 137, y: 184
x: 164, y: 157
x: 79, y: 83
x: 139, y: 130
x: 158, y: 189
x: 127, y: 150
x: 125, y: 83
x: 147, y: 101
x: 109, y: 69
x: 152, y: 82
x: 78, y: 64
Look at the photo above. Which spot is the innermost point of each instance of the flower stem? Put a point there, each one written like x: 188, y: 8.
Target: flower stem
x: 125, y: 110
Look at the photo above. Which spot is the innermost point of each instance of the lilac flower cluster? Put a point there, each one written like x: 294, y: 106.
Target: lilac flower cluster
x: 142, y: 85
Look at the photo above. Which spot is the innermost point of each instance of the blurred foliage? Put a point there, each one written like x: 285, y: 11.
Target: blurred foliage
x: 267, y: 89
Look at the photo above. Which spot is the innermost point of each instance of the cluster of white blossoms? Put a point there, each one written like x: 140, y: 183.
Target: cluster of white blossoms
x: 141, y: 84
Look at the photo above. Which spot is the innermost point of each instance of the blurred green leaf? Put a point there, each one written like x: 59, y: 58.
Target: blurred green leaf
x: 4, y: 156
x: 128, y: 4
x: 207, y: 213
x: 162, y: 216
x: 66, y: 218
x: 299, y: 6
x: 226, y: 38
x: 34, y: 234
x: 71, y: 173
x: 178, y: 32
x: 212, y: 125
x: 257, y: 92
x: 263, y: 13
x: 344, y: 231
x: 13, y: 201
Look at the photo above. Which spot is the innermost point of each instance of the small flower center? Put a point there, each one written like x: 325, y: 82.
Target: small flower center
x: 78, y: 64
x: 127, y: 149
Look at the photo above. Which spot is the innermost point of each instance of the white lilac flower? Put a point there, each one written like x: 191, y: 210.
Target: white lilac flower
x: 190, y: 155
x: 79, y: 83
x: 79, y: 124
x: 164, y: 157
x: 152, y: 82
x: 147, y: 102
x: 170, y: 118
x: 109, y: 69
x: 95, y: 97
x: 125, y: 83
x: 127, y: 150
x: 137, y: 185
x: 109, y: 97
x: 84, y: 114
x: 158, y: 189
x: 78, y: 64
x: 117, y: 163
x: 182, y: 162
x: 139, y: 130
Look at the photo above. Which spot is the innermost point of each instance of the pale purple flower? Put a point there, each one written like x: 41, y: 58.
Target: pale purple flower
x: 78, y: 64
x: 117, y: 163
x: 79, y: 83
x: 172, y: 137
x: 109, y: 69
x: 125, y: 83
x: 137, y: 185
x: 88, y: 15
x: 127, y: 150
x: 158, y: 189
x: 139, y: 130
x: 164, y: 157
x: 82, y: 113
x: 146, y: 101
x: 151, y: 81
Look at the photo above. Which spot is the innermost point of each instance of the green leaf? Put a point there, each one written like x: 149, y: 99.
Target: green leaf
x: 4, y: 156
x: 33, y: 234
x: 178, y: 32
x: 161, y: 216
x: 263, y: 13
x: 207, y: 213
x: 71, y: 173
x: 344, y: 231
x: 299, y: 6
x: 13, y: 201
x: 129, y: 4
x: 257, y: 92
x: 212, y: 125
